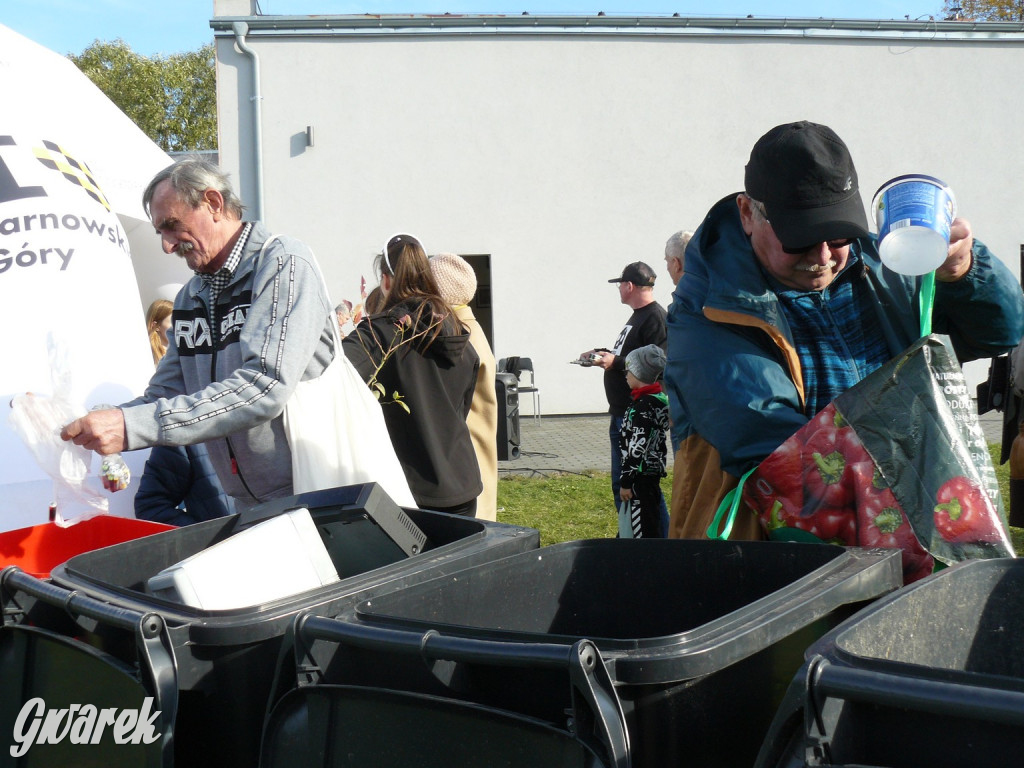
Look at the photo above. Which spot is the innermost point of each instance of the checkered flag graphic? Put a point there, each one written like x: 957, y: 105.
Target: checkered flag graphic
x: 54, y: 157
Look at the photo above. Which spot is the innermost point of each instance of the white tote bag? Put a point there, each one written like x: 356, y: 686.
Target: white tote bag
x: 337, y: 434
x: 338, y: 437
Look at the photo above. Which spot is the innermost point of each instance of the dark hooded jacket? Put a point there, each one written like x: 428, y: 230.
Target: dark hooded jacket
x: 176, y: 474
x: 435, y: 379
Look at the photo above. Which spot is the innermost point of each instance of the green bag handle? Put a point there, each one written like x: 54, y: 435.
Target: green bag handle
x: 927, y: 302
x: 727, y: 509
x: 730, y: 506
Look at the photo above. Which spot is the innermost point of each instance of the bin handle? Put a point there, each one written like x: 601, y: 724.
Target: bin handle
x: 827, y: 680
x: 432, y: 644
x: 587, y: 672
x: 591, y: 680
x: 13, y: 580
x: 158, y: 668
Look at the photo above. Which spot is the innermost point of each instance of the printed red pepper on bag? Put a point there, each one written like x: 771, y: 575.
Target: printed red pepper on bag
x: 962, y: 512
x: 826, y: 418
x: 852, y: 447
x: 829, y: 447
x: 829, y: 419
x: 832, y: 524
x: 778, y: 513
x: 867, y: 480
x: 775, y: 491
x: 779, y: 491
x: 783, y: 469
x: 827, y: 477
x: 782, y: 472
x: 882, y: 518
x: 775, y: 510
x: 882, y: 523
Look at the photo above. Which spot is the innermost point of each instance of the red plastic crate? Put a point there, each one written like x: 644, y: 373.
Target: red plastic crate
x: 40, y: 548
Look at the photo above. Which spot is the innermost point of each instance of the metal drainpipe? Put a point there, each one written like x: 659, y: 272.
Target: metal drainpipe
x: 240, y: 28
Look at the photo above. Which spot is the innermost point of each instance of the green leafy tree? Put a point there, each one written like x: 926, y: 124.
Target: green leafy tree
x: 173, y: 99
x: 983, y: 10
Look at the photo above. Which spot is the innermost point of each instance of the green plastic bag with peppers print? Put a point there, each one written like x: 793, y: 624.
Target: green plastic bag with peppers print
x: 899, y: 460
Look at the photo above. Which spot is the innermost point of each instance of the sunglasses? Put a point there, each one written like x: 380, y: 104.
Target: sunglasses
x: 832, y: 244
x: 395, y: 240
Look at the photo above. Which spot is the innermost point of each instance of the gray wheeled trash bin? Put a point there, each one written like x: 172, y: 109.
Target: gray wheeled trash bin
x: 932, y: 675
x: 225, y: 659
x: 700, y: 638
x: 321, y: 725
x: 83, y: 690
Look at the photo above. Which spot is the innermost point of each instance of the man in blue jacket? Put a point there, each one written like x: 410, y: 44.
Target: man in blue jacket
x: 785, y: 305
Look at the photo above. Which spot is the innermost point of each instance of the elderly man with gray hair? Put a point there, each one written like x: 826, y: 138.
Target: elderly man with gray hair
x: 675, y: 254
x: 786, y: 304
x: 253, y: 322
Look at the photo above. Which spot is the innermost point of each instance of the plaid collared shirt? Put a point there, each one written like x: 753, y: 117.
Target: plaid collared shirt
x: 219, y: 280
x: 837, y: 334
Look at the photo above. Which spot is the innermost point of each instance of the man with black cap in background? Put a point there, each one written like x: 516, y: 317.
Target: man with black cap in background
x: 645, y: 326
x: 785, y: 305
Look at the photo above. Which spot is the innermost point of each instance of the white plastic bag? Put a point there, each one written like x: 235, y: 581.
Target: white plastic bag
x: 37, y: 420
x: 629, y: 518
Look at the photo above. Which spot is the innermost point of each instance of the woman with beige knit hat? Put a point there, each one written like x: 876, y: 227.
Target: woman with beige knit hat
x: 456, y: 281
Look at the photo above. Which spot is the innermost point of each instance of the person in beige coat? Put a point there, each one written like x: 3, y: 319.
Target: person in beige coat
x: 457, y: 283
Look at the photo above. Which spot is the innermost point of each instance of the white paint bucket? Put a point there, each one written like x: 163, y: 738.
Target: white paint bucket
x: 913, y: 214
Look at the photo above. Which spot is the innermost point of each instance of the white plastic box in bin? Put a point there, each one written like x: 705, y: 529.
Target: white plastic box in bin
x: 277, y: 558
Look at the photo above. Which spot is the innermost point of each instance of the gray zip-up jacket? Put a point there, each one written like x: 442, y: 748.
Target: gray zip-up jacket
x: 227, y: 387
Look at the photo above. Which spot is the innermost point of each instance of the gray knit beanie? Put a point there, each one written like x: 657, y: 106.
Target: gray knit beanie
x: 646, y: 363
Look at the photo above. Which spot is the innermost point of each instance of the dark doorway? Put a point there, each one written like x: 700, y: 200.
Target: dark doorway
x: 481, y: 303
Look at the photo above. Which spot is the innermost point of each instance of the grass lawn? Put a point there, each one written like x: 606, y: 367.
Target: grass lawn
x: 566, y: 507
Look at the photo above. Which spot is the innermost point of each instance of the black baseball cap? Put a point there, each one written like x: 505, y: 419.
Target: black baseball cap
x: 804, y: 175
x: 636, y: 273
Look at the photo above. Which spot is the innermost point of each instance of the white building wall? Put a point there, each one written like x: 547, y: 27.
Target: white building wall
x: 566, y: 156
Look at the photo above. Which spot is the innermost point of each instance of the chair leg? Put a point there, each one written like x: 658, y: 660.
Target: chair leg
x: 536, y: 406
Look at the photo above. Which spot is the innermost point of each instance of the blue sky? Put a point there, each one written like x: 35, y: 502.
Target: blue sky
x: 151, y: 27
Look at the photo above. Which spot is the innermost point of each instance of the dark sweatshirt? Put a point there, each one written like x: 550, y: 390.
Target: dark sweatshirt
x: 435, y: 379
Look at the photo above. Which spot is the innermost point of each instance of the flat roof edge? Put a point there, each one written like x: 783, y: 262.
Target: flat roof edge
x: 619, y: 26
x: 532, y: 22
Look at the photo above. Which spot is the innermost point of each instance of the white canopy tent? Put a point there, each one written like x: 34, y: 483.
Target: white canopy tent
x: 79, y: 260
x: 44, y: 89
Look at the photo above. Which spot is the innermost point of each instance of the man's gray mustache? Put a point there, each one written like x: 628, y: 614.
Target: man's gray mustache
x: 816, y: 267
